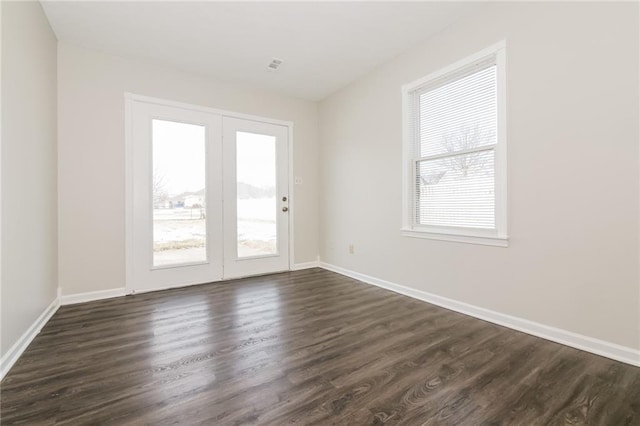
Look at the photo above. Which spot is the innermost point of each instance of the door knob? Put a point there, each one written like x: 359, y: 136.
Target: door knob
x: 285, y: 209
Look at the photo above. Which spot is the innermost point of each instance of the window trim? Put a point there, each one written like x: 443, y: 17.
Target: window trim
x: 493, y: 237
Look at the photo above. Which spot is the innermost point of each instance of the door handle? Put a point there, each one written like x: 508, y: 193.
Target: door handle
x: 285, y: 209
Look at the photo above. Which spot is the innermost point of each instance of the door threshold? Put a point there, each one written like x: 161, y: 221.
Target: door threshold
x: 174, y: 287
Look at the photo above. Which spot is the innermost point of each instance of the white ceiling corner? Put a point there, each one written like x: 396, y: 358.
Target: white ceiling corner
x: 324, y: 45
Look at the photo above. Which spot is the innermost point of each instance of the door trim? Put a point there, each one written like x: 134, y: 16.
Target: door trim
x: 129, y: 99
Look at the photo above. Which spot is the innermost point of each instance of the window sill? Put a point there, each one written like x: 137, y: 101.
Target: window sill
x: 469, y: 239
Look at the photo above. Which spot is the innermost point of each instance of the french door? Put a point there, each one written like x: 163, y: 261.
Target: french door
x: 208, y: 197
x: 256, y: 200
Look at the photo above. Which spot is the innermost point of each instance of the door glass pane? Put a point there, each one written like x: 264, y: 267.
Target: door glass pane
x: 179, y: 224
x: 256, y: 194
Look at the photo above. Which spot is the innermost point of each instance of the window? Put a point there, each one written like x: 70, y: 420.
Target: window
x: 455, y: 152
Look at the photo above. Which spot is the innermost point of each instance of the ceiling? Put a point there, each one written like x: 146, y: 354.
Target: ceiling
x: 324, y: 45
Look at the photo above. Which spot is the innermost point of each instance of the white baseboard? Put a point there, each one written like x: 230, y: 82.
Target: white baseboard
x: 589, y: 344
x: 305, y: 265
x: 12, y: 355
x: 71, y: 299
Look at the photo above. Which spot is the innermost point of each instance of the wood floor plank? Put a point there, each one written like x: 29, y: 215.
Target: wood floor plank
x: 305, y: 347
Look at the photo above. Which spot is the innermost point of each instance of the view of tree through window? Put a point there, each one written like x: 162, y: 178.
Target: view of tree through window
x: 455, y: 172
x: 179, y: 223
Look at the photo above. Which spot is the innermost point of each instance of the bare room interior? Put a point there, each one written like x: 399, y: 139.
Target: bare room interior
x: 327, y: 213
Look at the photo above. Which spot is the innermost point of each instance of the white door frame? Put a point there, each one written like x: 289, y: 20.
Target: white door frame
x: 129, y: 99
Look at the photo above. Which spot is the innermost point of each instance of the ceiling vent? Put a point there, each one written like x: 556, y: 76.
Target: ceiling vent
x: 274, y: 64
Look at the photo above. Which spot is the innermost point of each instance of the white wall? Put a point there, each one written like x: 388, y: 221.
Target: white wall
x: 91, y: 89
x: 573, y: 159
x: 29, y: 206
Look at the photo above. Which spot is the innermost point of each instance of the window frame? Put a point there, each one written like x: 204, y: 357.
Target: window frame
x: 497, y: 236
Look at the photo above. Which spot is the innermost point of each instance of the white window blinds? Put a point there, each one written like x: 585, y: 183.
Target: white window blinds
x: 455, y: 126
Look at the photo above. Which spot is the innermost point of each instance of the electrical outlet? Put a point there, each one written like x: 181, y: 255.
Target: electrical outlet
x: 351, y: 249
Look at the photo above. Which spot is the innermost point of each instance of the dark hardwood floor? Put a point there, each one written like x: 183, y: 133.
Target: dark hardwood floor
x: 306, y: 347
